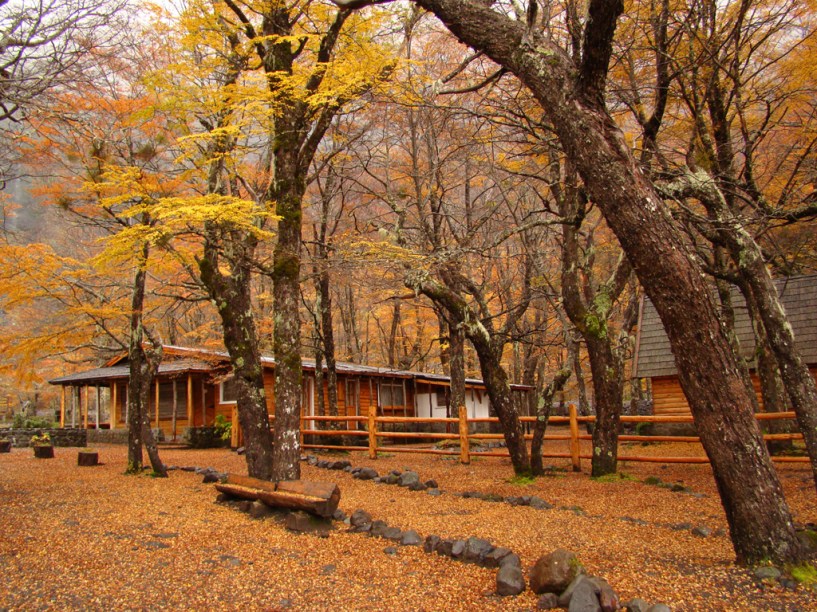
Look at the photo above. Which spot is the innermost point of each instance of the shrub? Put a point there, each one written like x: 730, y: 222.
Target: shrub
x: 223, y: 427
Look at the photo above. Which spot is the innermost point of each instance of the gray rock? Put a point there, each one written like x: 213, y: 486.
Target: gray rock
x: 659, y: 607
x: 515, y: 501
x: 417, y: 486
x: 509, y: 580
x: 585, y: 598
x: 393, y: 533
x: 608, y: 599
x: 539, y: 503
x: 407, y: 479
x: 476, y: 549
x: 340, y: 465
x: 389, y: 479
x: 457, y: 549
x: 395, y: 472
x: 435, y: 492
x: 552, y: 573
x: 156, y: 545
x: 564, y: 598
x: 339, y: 515
x: 366, y: 473
x: 326, y: 570
x: 411, y: 538
x: 548, y: 601
x: 430, y: 544
x: 390, y: 550
x: 259, y: 509
x: 432, y: 484
x: 360, y: 517
x: 702, y: 532
x: 210, y: 477
x: 378, y: 529
x: 512, y: 559
x: 495, y: 556
x: 636, y: 605
x: 302, y: 522
x: 444, y: 547
x: 245, y: 505
x: 767, y: 573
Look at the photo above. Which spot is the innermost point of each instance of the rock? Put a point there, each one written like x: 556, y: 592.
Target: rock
x: 515, y: 501
x: 326, y: 570
x: 390, y: 550
x: 411, y: 538
x: 509, y: 580
x: 608, y: 599
x: 495, y: 556
x: 681, y: 526
x: 156, y: 545
x: 512, y: 559
x: 302, y: 522
x: 407, y: 479
x: 432, y: 484
x: 444, y: 547
x: 435, y: 492
x: 378, y: 529
x: 585, y: 598
x: 259, y: 509
x: 564, y: 598
x: 359, y: 518
x: 702, y: 532
x: 539, y: 503
x: 393, y: 533
x: 323, y: 463
x: 311, y: 459
x: 389, y: 479
x: 210, y: 477
x: 548, y: 601
x: 340, y: 465
x: 475, y: 550
x: 339, y: 515
x: 552, y: 573
x: 636, y: 605
x: 659, y: 607
x: 417, y: 486
x: 223, y: 497
x: 430, y: 544
x: 457, y: 549
x: 395, y: 472
x: 366, y: 473
x: 240, y: 450
x: 245, y: 505
x: 767, y: 573
x: 472, y: 494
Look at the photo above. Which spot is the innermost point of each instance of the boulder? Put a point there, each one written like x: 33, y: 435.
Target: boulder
x: 407, y: 479
x: 259, y: 509
x: 495, y: 556
x: 767, y: 573
x: 702, y: 532
x: 552, y: 573
x: 302, y: 522
x: 636, y: 605
x: 509, y: 580
x: 444, y: 547
x: 430, y: 544
x: 659, y: 607
x: 378, y: 529
x: 539, y: 503
x: 457, y: 549
x: 411, y: 538
x: 511, y: 559
x: 548, y: 601
x: 585, y: 598
x: 432, y: 484
x: 366, y: 473
x: 417, y: 486
x: 393, y: 533
x: 359, y: 518
x: 608, y: 599
x: 389, y: 479
x: 476, y: 549
x: 435, y: 492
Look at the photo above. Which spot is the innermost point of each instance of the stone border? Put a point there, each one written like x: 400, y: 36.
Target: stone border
x: 61, y: 437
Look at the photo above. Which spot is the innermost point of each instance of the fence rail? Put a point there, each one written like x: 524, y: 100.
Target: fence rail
x: 373, y: 434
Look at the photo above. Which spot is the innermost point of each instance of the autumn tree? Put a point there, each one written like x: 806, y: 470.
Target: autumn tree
x: 571, y: 92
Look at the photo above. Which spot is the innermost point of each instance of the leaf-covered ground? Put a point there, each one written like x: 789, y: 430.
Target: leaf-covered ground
x: 95, y: 539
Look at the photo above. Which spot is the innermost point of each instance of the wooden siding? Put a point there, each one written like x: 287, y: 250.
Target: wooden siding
x: 669, y: 399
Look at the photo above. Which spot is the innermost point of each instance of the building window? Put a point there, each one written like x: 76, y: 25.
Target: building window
x: 166, y: 400
x: 392, y: 394
x: 228, y: 391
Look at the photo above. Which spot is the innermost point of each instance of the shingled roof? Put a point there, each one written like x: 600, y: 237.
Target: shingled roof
x: 798, y: 294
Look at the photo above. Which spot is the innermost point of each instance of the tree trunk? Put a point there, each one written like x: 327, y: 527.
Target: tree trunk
x: 328, y: 334
x: 607, y: 370
x: 759, y: 518
x: 543, y: 407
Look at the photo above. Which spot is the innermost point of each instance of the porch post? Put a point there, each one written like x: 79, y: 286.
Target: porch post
x: 465, y: 449
x: 203, y: 403
x: 175, y: 407
x: 98, y: 402
x: 156, y: 403
x: 74, y: 402
x: 85, y: 408
x: 189, y: 400
x: 62, y: 406
x: 113, y: 405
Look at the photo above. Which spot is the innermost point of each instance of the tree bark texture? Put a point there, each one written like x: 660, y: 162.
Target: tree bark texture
x: 758, y: 515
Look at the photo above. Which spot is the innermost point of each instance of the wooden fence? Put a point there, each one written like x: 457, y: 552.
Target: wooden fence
x: 373, y: 434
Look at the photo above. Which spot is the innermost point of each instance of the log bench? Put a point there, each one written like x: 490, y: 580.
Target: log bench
x: 318, y: 498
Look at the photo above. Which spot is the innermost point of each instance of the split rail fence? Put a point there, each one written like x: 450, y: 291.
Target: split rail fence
x: 374, y: 434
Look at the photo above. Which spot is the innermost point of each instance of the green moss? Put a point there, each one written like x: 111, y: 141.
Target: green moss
x: 652, y: 480
x: 522, y: 480
x: 621, y: 476
x: 805, y: 573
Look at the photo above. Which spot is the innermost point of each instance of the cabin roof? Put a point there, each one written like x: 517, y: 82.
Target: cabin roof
x: 799, y: 296
x: 186, y: 359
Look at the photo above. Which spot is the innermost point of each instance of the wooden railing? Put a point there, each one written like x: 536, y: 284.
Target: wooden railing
x: 343, y: 427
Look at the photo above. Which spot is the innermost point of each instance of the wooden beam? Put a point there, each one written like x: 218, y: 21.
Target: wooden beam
x: 98, y: 402
x: 189, y: 400
x: 114, y: 400
x: 465, y: 449
x: 62, y: 406
x: 156, y: 402
x: 372, y: 429
x: 175, y: 406
x: 234, y: 431
x: 320, y: 498
x: 85, y: 408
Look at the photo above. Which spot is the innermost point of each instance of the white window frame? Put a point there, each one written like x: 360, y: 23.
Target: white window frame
x: 221, y: 399
x: 398, y: 383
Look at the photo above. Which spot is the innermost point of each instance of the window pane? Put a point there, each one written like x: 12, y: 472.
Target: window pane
x: 229, y: 391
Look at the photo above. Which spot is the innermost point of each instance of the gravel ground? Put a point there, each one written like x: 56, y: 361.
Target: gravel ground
x: 95, y: 539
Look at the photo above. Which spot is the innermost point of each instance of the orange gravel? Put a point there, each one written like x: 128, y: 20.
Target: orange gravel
x: 95, y: 539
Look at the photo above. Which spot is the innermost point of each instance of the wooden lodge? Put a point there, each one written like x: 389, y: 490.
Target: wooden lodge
x: 654, y: 359
x: 194, y: 386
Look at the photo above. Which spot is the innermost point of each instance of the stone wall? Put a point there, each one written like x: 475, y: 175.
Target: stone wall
x: 75, y: 436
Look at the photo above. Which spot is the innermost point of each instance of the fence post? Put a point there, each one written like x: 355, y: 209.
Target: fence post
x: 574, y: 439
x: 465, y: 447
x: 372, y: 431
x: 234, y: 427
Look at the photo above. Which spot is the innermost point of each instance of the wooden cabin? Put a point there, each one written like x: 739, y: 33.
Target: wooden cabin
x: 194, y: 386
x: 654, y: 359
